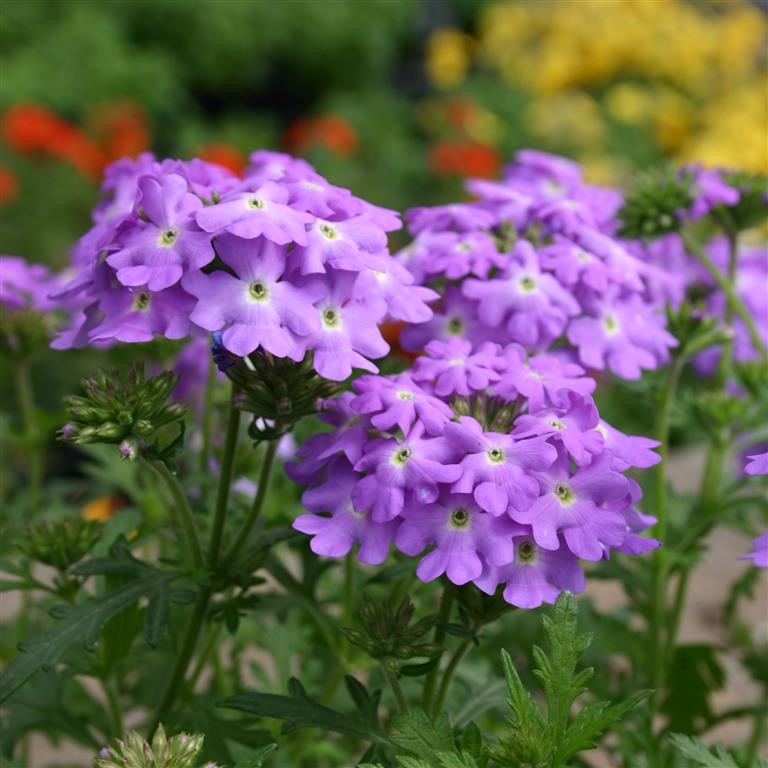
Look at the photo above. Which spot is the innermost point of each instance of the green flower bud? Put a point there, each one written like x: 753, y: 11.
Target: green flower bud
x: 61, y: 543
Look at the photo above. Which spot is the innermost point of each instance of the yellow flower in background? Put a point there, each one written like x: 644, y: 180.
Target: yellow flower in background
x: 630, y: 103
x: 449, y: 56
x: 734, y: 130
x: 101, y: 509
x: 673, y: 119
x: 571, y: 118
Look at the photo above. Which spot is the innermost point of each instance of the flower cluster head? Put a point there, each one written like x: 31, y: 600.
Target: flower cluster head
x: 25, y: 305
x: 535, y: 260
x: 491, y: 465
x: 277, y: 261
x: 132, y: 751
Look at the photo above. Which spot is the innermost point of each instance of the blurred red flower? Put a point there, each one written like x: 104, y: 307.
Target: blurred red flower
x: 224, y: 155
x: 122, y: 129
x: 9, y: 186
x: 328, y: 131
x: 465, y: 159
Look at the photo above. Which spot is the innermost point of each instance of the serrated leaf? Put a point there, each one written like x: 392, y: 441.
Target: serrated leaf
x: 367, y: 703
x: 417, y: 734
x: 298, y: 710
x: 695, y: 750
x: 81, y: 624
x: 695, y: 674
x: 256, y: 760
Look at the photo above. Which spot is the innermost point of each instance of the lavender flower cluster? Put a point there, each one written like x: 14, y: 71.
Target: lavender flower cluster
x: 535, y: 259
x: 279, y: 261
x: 496, y: 463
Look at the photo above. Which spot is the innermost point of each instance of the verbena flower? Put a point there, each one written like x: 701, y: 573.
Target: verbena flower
x: 279, y: 262
x: 479, y: 486
x: 759, y: 555
x: 757, y: 464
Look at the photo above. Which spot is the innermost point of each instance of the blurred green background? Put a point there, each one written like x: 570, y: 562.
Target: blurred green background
x: 398, y: 99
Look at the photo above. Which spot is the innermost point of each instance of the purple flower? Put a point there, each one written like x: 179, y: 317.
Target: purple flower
x: 462, y: 534
x: 453, y: 255
x: 543, y: 379
x: 139, y: 315
x: 495, y: 467
x: 533, y: 305
x: 399, y: 401
x: 415, y: 463
x: 339, y: 244
x: 156, y: 250
x: 26, y: 286
x: 260, y: 212
x: 573, y: 265
x: 461, y: 217
x: 757, y: 464
x: 709, y: 190
x: 458, y: 318
x: 574, y: 506
x: 622, y: 334
x: 759, y: 555
x: 575, y: 427
x: 393, y: 283
x: 628, y: 450
x: 254, y: 306
x: 455, y: 369
x: 348, y: 333
x: 536, y: 575
x: 336, y: 525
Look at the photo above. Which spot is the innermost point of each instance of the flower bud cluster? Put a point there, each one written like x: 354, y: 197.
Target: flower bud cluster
x: 126, y: 410
x: 181, y: 751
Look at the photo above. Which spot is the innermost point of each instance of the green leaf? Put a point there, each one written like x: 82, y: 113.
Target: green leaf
x: 256, y: 760
x: 553, y: 737
x: 417, y: 734
x: 298, y: 710
x: 701, y: 755
x: 80, y: 624
x: 694, y: 674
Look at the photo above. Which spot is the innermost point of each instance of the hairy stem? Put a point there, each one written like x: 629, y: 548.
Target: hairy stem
x: 737, y: 304
x: 445, y: 683
x: 446, y: 602
x: 225, y: 483
x: 205, y: 452
x: 34, y: 456
x: 258, y: 502
x: 394, y: 684
x: 660, y: 564
x: 186, y: 651
x: 114, y: 709
x: 182, y: 510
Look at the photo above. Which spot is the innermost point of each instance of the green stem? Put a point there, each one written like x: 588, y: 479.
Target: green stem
x: 26, y: 400
x: 349, y: 588
x: 191, y: 635
x: 445, y: 683
x: 258, y: 503
x: 737, y: 304
x: 183, y: 511
x: 205, y: 654
x: 444, y: 612
x: 225, y: 483
x: 205, y: 452
x: 726, y: 356
x: 758, y: 733
x: 115, y: 711
x: 394, y: 684
x: 660, y: 565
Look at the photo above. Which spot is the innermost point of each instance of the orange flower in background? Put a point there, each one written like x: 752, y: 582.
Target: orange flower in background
x: 224, y: 155
x: 465, y: 158
x: 331, y: 132
x: 33, y: 128
x: 122, y: 129
x: 102, y: 509
x: 9, y: 186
